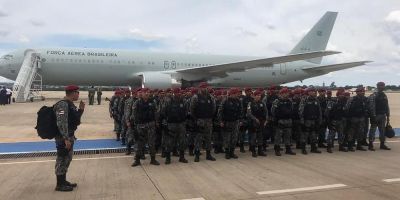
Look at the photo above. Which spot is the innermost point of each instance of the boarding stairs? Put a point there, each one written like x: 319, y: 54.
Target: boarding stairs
x: 28, y: 85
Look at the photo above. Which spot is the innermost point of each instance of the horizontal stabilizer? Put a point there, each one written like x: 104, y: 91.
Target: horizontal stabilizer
x: 335, y: 67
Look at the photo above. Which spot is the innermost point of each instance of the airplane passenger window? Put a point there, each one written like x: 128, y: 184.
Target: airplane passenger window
x: 152, y: 63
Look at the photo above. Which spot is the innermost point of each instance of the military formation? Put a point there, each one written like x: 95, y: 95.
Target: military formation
x: 175, y: 120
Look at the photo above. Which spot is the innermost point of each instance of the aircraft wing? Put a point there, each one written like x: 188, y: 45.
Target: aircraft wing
x: 221, y: 70
x: 335, y: 67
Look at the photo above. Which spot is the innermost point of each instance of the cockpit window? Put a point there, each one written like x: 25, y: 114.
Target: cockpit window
x: 7, y: 57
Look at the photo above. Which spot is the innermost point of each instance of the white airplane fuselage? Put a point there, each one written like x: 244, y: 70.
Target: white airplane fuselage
x: 108, y: 67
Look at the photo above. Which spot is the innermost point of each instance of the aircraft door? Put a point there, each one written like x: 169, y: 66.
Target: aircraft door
x: 166, y: 65
x: 283, y: 68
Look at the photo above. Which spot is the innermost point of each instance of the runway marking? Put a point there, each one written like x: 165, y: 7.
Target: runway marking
x: 391, y: 180
x: 195, y: 199
x: 77, y: 159
x: 302, y: 189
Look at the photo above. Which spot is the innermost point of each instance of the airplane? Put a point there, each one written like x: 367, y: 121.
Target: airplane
x: 109, y: 67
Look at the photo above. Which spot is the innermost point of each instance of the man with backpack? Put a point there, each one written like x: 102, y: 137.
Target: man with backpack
x: 68, y: 118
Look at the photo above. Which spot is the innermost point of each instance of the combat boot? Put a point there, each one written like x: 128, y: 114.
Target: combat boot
x: 232, y: 153
x: 277, y: 149
x: 329, y: 148
x: 61, y: 186
x: 209, y: 156
x: 137, y: 161
x: 74, y: 185
x: 227, y: 154
x: 260, y: 151
x: 303, y: 149
x: 360, y: 147
x: 289, y: 150
x: 196, y: 156
x: 314, y: 148
x: 384, y: 147
x: 182, y: 157
x: 168, y: 158
x: 242, y: 148
x: 253, y: 151
x: 342, y: 148
x: 191, y: 150
x: 153, y: 160
x: 371, y: 146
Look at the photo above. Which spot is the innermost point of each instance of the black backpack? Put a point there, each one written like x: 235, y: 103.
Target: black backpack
x: 46, y: 125
x: 389, y: 132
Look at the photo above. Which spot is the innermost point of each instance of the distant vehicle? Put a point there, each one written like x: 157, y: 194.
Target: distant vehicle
x: 108, y: 67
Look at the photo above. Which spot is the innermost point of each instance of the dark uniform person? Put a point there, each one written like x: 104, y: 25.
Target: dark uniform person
x: 145, y: 115
x: 282, y: 111
x: 217, y: 138
x: 357, y: 110
x: 380, y: 114
x: 310, y: 118
x: 91, y: 93
x: 68, y: 119
x: 244, y: 128
x: 229, y: 114
x: 175, y: 111
x: 123, y: 103
x: 202, y: 109
x: 296, y: 128
x: 336, y: 119
x: 115, y: 113
x: 257, y: 113
x: 99, y: 93
x: 323, y: 101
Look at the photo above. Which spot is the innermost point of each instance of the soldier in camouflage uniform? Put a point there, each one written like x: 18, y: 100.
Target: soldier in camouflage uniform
x: 202, y: 109
x: 68, y: 118
x: 323, y: 101
x: 91, y: 93
x: 116, y: 114
x: 310, y: 118
x: 336, y: 119
x: 110, y: 109
x: 282, y: 111
x: 245, y: 99
x: 130, y: 125
x: 380, y: 114
x: 174, y: 111
x: 217, y: 130
x: 121, y: 111
x: 296, y: 130
x: 145, y: 115
x: 99, y: 93
x: 269, y: 133
x: 230, y: 113
x: 191, y: 123
x: 257, y: 113
x: 356, y: 109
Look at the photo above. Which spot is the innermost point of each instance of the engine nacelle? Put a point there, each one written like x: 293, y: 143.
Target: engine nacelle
x: 157, y: 80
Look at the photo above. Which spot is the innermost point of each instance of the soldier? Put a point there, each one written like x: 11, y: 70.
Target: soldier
x: 356, y: 111
x: 99, y: 93
x: 229, y: 114
x: 270, y: 128
x: 129, y: 123
x: 257, y: 113
x: 336, y: 119
x: 296, y: 130
x: 310, y: 118
x: 68, y: 119
x: 145, y: 115
x: 322, y: 128
x: 175, y: 110
x: 282, y: 111
x: 191, y: 123
x: 380, y: 114
x: 121, y: 111
x: 115, y: 113
x: 217, y: 130
x: 202, y: 109
x: 245, y: 99
x: 91, y: 94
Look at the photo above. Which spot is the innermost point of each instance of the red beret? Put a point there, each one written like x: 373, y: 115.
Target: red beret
x: 194, y: 90
x: 145, y: 90
x: 257, y: 92
x: 297, y: 91
x: 284, y: 91
x: 248, y: 90
x: 71, y: 88
x: 203, y: 85
x: 211, y: 91
x: 176, y: 90
x: 380, y: 84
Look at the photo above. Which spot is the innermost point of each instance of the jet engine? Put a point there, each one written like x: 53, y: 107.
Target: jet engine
x: 158, y: 80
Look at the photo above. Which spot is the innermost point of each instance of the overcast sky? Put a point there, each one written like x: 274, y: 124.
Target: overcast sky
x: 364, y: 30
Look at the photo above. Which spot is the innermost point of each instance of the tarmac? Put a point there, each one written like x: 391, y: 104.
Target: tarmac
x: 353, y: 175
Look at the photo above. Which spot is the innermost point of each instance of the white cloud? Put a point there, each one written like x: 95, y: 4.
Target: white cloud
x: 139, y: 34
x: 393, y: 16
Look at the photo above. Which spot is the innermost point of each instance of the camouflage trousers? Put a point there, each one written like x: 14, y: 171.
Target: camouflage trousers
x: 310, y: 129
x: 381, y: 125
x: 203, y: 134
x: 64, y: 156
x: 91, y: 100
x: 146, y: 134
x: 336, y: 126
x: 98, y: 100
x: 124, y: 128
x: 117, y: 125
x: 356, y: 129
x: 256, y: 133
x: 283, y: 131
x: 230, y: 134
x: 175, y: 137
x: 130, y: 134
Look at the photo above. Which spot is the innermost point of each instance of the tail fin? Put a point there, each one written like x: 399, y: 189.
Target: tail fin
x: 317, y: 38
